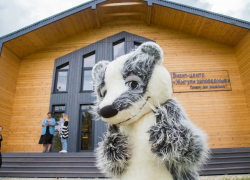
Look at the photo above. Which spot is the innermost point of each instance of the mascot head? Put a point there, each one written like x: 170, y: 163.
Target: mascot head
x: 132, y: 85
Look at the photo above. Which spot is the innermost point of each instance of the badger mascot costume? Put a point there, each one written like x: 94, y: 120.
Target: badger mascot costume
x: 149, y: 136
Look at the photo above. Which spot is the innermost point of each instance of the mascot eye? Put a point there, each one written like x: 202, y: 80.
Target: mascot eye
x: 132, y: 84
x: 103, y: 93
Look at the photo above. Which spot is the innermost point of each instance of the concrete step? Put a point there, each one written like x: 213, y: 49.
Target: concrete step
x: 61, y: 174
x: 227, y: 164
x: 49, y: 168
x: 230, y: 159
x: 51, y: 163
x: 227, y: 170
x: 42, y: 159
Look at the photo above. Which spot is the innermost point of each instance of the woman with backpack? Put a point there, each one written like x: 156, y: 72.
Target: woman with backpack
x: 64, y: 133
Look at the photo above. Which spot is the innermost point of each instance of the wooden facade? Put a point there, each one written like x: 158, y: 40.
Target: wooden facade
x: 190, y: 43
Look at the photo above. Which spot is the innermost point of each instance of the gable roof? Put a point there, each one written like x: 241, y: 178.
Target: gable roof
x: 92, y: 5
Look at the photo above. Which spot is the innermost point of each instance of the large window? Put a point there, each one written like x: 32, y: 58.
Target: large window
x: 118, y: 48
x: 136, y: 44
x: 88, y: 63
x: 58, y: 115
x: 86, y: 126
x: 61, y: 78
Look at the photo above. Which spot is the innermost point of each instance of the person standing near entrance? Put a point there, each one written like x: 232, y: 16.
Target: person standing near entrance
x: 64, y: 133
x: 47, y: 134
x: 1, y: 138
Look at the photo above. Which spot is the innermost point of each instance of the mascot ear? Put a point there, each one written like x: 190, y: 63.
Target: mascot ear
x: 98, y: 72
x: 153, y: 50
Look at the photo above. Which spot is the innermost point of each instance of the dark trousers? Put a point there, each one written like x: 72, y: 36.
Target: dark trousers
x: 0, y: 160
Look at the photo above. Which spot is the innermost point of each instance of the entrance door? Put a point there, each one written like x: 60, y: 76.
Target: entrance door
x: 58, y: 115
x: 86, y: 128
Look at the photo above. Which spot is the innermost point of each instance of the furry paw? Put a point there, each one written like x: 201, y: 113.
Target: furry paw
x: 169, y: 140
x: 113, y: 152
x: 176, y: 143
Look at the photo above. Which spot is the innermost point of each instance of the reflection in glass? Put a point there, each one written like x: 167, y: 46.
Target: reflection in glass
x: 86, y: 129
x: 89, y: 61
x: 59, y: 108
x: 62, y: 81
x: 87, y: 80
x: 118, y: 49
x: 57, y: 145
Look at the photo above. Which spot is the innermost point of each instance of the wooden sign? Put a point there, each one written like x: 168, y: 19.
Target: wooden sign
x: 199, y: 81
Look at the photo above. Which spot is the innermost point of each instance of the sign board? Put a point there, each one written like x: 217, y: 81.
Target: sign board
x: 200, y: 81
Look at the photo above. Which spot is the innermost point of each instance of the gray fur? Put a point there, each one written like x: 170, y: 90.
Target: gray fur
x: 98, y: 74
x: 113, y: 152
x: 177, y: 142
x: 141, y: 63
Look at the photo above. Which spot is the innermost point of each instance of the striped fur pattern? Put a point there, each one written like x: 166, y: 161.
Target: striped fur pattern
x: 177, y: 142
x: 138, y: 67
x: 113, y: 152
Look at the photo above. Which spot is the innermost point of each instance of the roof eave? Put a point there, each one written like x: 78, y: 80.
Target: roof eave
x: 92, y: 4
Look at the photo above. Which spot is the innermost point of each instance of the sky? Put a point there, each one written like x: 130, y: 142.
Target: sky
x: 16, y: 14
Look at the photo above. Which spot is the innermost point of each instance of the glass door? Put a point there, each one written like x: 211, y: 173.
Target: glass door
x: 58, y: 115
x: 86, y: 128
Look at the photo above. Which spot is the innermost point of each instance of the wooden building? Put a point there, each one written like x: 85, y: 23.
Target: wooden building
x: 46, y: 67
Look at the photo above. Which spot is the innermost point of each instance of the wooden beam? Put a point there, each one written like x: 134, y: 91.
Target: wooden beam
x: 122, y: 4
x: 149, y: 15
x: 123, y: 14
x: 97, y: 18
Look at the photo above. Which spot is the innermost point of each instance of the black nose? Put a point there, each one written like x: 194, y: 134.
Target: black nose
x: 108, y: 111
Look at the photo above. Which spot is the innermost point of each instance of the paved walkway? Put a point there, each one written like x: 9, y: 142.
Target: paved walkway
x: 231, y: 177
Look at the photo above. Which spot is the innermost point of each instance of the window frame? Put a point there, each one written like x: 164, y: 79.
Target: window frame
x: 86, y: 69
x: 56, y: 77
x: 137, y: 42
x: 118, y: 42
x: 80, y: 127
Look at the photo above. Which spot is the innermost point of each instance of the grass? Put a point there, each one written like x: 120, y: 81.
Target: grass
x: 247, y: 177
x: 244, y: 178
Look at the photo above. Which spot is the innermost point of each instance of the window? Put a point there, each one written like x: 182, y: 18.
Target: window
x: 61, y: 78
x: 86, y: 120
x: 136, y: 45
x: 118, y: 48
x: 58, y: 115
x: 88, y: 63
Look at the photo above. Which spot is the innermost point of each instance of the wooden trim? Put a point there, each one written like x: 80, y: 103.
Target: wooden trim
x: 149, y: 15
x: 123, y: 14
x: 121, y: 4
x: 97, y: 20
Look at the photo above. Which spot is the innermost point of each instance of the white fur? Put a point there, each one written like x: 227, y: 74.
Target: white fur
x: 115, y: 85
x: 143, y: 165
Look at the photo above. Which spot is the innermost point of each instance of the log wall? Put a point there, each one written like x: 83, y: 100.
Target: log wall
x: 243, y: 57
x: 222, y: 114
x: 9, y: 67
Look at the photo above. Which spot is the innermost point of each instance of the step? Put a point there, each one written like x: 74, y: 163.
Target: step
x: 230, y: 150
x: 51, y: 154
x: 51, y: 163
x: 48, y: 168
x: 41, y: 159
x: 62, y: 174
x: 230, y: 159
x: 227, y: 164
x: 220, y: 171
x: 229, y: 154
